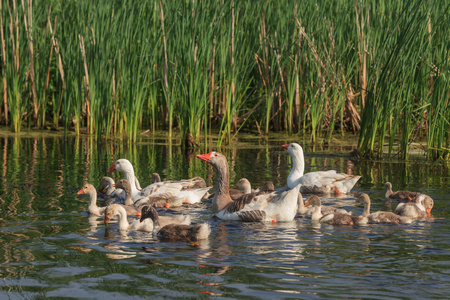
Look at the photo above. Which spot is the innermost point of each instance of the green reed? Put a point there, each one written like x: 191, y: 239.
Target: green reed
x: 119, y: 68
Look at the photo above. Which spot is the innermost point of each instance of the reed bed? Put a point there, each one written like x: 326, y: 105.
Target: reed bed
x: 199, y: 67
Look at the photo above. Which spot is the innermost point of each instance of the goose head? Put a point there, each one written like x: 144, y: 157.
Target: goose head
x: 87, y: 189
x: 106, y: 183
x: 244, y: 184
x: 215, y: 159
x: 121, y: 165
x: 124, y: 185
x: 364, y: 198
x: 293, y: 149
x: 111, y: 211
x: 313, y: 201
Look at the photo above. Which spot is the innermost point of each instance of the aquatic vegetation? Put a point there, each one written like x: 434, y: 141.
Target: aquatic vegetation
x: 120, y: 68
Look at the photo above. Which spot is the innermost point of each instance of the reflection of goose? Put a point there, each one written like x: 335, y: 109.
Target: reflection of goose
x: 188, y: 186
x: 250, y: 207
x: 175, y: 231
x: 333, y: 218
x: 320, y: 182
x: 406, y: 196
x: 414, y: 210
x: 380, y: 216
x: 138, y: 225
x: 90, y: 190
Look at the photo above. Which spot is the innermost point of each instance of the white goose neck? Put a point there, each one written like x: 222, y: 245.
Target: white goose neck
x: 93, y: 208
x: 317, y: 213
x: 298, y: 168
x: 123, y: 222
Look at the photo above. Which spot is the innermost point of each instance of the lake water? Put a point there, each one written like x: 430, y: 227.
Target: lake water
x: 50, y: 248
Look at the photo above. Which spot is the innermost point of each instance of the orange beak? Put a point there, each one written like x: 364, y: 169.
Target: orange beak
x: 112, y: 169
x: 204, y: 157
x: 429, y: 212
x: 138, y: 214
x: 166, y: 205
x: 80, y: 192
x: 307, y: 203
x: 115, y: 184
x: 107, y: 220
x: 285, y: 146
x: 236, y: 186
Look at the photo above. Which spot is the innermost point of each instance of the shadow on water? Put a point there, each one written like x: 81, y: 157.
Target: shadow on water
x: 49, y: 247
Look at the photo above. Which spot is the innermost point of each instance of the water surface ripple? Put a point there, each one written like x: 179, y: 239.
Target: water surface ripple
x: 51, y: 248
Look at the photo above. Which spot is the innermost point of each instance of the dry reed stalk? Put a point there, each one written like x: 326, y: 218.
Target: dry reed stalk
x: 86, y: 82
x: 212, y: 98
x: 29, y: 32
x: 362, y: 47
x: 60, y: 66
x: 5, y: 95
x: 233, y: 82
x: 166, y: 80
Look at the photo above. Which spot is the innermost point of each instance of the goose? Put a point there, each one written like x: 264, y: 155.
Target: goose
x: 156, y: 178
x: 333, y: 218
x: 251, y: 207
x: 413, y: 210
x: 400, y: 196
x: 244, y: 185
x: 405, y: 196
x: 138, y: 224
x: 108, y: 189
x: 89, y: 189
x: 308, y: 211
x: 175, y: 231
x: 173, y: 187
x: 320, y: 182
x: 380, y: 216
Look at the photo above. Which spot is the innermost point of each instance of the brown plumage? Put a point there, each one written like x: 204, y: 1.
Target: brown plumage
x: 380, y: 216
x: 332, y: 218
x: 175, y: 232
x: 156, y: 178
x: 399, y: 196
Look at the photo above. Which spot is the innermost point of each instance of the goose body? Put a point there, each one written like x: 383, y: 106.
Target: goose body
x: 406, y: 196
x: 175, y: 231
x: 333, y: 218
x: 173, y: 187
x: 325, y: 210
x: 320, y: 182
x: 380, y: 216
x: 93, y: 209
x: 136, y: 225
x: 251, y: 207
x: 414, y: 210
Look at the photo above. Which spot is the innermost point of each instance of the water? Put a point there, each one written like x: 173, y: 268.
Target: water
x: 50, y: 248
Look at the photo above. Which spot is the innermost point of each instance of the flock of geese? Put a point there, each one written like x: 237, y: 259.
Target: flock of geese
x: 134, y: 208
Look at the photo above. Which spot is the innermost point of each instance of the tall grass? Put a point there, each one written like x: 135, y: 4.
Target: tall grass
x: 189, y: 67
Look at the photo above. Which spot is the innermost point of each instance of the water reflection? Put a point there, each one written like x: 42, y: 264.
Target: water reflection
x: 44, y: 231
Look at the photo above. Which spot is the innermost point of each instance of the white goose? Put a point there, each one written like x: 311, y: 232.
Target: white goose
x: 320, y: 182
x: 146, y: 225
x: 251, y: 207
x: 189, y: 186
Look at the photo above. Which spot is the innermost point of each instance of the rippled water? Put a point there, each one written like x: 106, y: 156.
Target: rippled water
x: 50, y: 248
